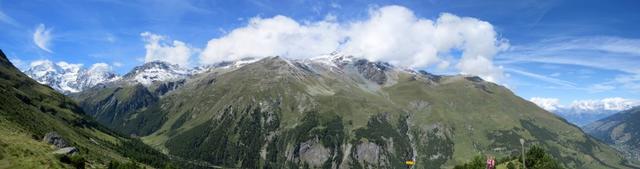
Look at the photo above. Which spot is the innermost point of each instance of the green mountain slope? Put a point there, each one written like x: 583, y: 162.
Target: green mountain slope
x: 29, y: 110
x: 279, y: 113
x: 621, y: 130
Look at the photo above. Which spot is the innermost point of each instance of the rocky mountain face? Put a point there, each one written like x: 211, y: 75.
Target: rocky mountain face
x: 33, y: 115
x: 156, y: 71
x: 621, y: 130
x: 69, y: 78
x: 335, y: 111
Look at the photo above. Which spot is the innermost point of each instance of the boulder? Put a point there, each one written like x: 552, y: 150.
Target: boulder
x: 66, y: 151
x: 55, y: 139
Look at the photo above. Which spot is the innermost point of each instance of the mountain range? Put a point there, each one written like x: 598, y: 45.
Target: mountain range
x: 69, y: 78
x: 584, y: 112
x: 621, y: 130
x: 42, y: 128
x: 332, y: 111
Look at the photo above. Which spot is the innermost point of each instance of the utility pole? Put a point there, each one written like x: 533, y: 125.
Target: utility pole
x: 524, y: 166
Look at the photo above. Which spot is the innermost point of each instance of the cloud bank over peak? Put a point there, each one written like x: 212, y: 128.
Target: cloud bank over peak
x: 176, y: 52
x: 392, y: 34
x: 549, y: 104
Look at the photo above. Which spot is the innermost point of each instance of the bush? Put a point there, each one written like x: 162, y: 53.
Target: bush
x: 118, y: 165
x: 537, y: 158
x: 476, y: 163
x: 76, y: 161
x: 510, y: 165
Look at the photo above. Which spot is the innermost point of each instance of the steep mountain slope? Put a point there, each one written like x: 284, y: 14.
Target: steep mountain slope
x: 113, y: 104
x: 69, y: 78
x: 29, y: 110
x: 342, y: 112
x: 621, y: 130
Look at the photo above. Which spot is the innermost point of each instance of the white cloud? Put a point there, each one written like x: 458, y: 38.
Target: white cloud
x: 18, y: 63
x: 547, y: 79
x: 595, y: 88
x: 42, y: 37
x: 391, y: 33
x: 176, y: 52
x: 110, y: 38
x: 549, y: 104
x: 7, y: 19
x: 614, y: 104
x: 117, y: 64
x: 609, y: 44
x: 628, y: 81
x: 279, y: 35
x: 335, y: 5
x: 100, y: 67
x: 605, y: 105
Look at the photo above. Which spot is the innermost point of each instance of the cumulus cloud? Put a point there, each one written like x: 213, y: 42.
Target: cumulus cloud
x: 42, y: 37
x: 549, y: 104
x: 392, y: 34
x: 279, y: 35
x: 176, y: 52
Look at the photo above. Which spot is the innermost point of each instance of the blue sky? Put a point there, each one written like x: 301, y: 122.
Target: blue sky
x: 570, y: 50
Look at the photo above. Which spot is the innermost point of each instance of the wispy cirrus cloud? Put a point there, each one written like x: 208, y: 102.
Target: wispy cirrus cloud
x: 42, y: 37
x: 7, y: 19
x: 608, y: 53
x: 615, y: 54
x: 544, y: 78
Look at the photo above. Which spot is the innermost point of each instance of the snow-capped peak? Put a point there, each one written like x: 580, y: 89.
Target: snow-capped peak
x: 69, y: 78
x: 156, y: 71
x: 582, y: 112
x: 613, y: 104
x: 334, y: 59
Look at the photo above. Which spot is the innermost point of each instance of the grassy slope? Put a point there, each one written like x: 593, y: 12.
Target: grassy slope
x: 30, y: 110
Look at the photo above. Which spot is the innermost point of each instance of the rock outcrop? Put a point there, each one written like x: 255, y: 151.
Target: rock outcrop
x: 55, y: 139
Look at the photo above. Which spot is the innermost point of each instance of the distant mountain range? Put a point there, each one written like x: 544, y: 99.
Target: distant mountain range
x: 69, y: 78
x: 584, y: 112
x: 72, y: 78
x: 621, y: 130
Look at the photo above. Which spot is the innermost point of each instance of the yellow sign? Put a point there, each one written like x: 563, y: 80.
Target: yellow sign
x: 410, y: 162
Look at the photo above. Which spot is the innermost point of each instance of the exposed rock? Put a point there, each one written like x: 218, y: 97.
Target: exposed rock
x: 66, y: 151
x: 313, y: 153
x: 55, y: 139
x: 368, y: 153
x: 374, y: 71
x: 474, y: 79
x: 432, y: 77
x: 166, y: 87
